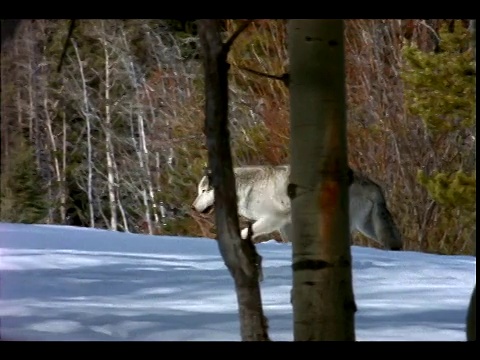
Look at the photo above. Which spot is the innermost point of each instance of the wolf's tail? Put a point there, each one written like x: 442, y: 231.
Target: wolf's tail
x: 385, y: 227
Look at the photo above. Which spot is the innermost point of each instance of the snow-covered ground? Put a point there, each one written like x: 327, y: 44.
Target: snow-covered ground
x: 66, y: 283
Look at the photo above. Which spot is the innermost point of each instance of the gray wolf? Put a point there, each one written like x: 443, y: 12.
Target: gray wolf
x: 262, y: 198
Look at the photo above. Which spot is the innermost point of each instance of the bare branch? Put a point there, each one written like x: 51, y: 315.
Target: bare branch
x: 283, y: 78
x: 65, y: 46
x: 243, y: 26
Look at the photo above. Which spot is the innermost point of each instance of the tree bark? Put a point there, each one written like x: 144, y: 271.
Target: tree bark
x: 8, y: 29
x: 109, y: 151
x: 472, y: 317
x: 87, y: 114
x: 239, y: 255
x: 322, y: 296
x: 471, y: 321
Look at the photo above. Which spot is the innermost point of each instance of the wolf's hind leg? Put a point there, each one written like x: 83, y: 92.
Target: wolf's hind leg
x: 386, y: 230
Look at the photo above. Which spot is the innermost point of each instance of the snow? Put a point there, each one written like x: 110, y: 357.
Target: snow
x: 67, y: 283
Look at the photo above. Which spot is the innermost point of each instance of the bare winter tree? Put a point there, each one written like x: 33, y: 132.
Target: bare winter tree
x: 322, y: 296
x: 109, y: 152
x: 87, y: 114
x: 240, y: 256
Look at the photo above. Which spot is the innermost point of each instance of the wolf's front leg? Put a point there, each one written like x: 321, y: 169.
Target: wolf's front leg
x: 260, y: 227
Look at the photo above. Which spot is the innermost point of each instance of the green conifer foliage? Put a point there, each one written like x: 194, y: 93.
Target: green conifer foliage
x: 440, y: 90
x: 23, y: 197
x: 439, y: 86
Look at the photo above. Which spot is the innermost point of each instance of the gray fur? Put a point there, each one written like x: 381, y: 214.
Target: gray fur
x: 262, y: 198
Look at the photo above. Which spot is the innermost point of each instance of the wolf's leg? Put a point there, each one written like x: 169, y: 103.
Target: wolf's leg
x: 385, y: 228
x: 361, y: 218
x: 262, y: 226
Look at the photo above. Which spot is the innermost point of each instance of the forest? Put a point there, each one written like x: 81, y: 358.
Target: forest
x: 114, y: 138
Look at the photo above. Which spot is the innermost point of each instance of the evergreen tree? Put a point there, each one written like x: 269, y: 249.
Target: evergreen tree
x: 440, y: 89
x: 23, y: 197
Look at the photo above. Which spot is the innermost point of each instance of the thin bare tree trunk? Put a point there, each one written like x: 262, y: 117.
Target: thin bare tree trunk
x: 240, y: 256
x: 32, y: 116
x: 322, y: 297
x: 120, y: 206
x: 56, y: 162
x: 63, y: 196
x: 142, y: 149
x: 138, y: 150
x: 86, y: 114
x: 108, y: 138
x: 146, y: 162
x: 141, y: 157
x: 151, y: 192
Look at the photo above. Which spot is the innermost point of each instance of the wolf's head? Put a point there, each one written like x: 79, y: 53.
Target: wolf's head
x: 205, y: 198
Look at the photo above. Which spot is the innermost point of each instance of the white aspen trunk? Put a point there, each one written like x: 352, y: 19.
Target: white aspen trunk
x: 119, y: 202
x: 322, y: 296
x: 56, y: 163
x: 31, y: 106
x: 32, y: 111
x: 86, y: 114
x: 159, y: 189
x: 147, y: 212
x: 142, y: 190
x: 108, y: 140
x: 142, y: 158
x: 63, y: 179
x: 18, y: 104
x: 146, y: 162
x: 142, y: 151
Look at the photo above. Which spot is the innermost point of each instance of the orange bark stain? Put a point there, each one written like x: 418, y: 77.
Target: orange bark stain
x: 329, y: 198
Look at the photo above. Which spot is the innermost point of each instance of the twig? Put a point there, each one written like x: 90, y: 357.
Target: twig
x: 424, y: 23
x: 283, y: 78
x: 243, y: 26
x: 65, y: 46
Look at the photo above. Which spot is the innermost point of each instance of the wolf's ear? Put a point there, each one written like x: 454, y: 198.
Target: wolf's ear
x: 204, y: 183
x: 207, y: 171
x: 208, y: 174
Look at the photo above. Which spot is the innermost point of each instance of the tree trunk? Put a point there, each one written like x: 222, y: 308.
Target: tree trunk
x: 322, y: 297
x: 472, y: 306
x: 239, y: 255
x: 109, y: 152
x: 55, y: 155
x: 472, y: 317
x: 8, y: 29
x: 87, y: 114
